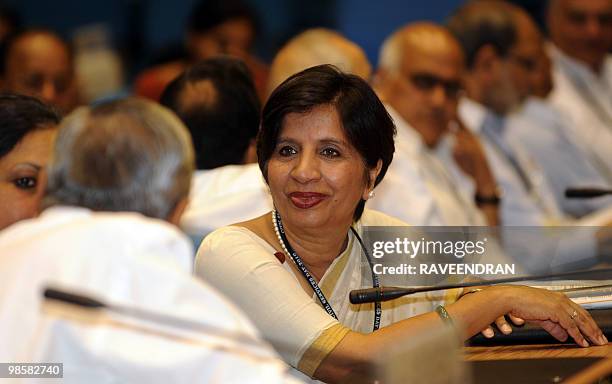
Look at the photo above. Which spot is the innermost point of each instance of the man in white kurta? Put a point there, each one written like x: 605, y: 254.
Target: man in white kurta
x: 527, y: 199
x: 581, y: 36
x: 129, y: 260
x: 586, y: 98
x: 547, y: 135
x: 420, y: 67
x: 110, y: 232
x: 418, y: 188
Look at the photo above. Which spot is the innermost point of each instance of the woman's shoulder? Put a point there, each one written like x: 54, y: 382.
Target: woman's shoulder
x: 231, y: 236
x: 250, y: 235
x: 374, y: 218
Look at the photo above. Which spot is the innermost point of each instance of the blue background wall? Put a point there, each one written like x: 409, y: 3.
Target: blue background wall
x: 142, y: 27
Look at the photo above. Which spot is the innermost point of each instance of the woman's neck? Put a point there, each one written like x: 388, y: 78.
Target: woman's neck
x: 317, y: 248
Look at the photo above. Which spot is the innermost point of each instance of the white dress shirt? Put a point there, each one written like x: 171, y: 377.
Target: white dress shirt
x: 418, y: 188
x: 528, y: 201
x: 224, y: 196
x: 545, y: 133
x: 132, y: 261
x: 527, y: 197
x: 586, y: 98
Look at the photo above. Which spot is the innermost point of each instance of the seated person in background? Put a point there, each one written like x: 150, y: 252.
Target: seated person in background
x: 118, y: 182
x: 546, y: 132
x: 419, y: 80
x: 215, y: 27
x: 27, y: 131
x: 218, y: 103
x: 581, y: 35
x: 325, y: 143
x: 39, y: 63
x: 315, y: 47
x: 497, y: 84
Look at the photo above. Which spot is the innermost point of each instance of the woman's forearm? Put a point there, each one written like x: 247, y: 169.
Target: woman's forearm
x: 470, y: 315
x: 357, y: 352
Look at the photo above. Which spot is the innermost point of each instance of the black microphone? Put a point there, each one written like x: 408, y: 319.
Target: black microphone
x: 71, y: 298
x: 371, y: 295
x: 586, y: 193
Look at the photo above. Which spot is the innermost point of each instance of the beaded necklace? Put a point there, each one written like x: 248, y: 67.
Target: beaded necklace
x: 282, y: 239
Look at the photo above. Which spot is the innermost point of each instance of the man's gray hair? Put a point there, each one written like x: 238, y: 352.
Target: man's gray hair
x: 126, y: 155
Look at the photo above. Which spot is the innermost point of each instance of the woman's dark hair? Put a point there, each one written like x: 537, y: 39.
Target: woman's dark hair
x: 20, y: 115
x: 365, y: 121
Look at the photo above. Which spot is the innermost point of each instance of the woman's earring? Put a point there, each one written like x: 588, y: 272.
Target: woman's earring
x: 371, y: 194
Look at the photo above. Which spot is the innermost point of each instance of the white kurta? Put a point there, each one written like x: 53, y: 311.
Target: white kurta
x: 129, y: 260
x: 586, y: 98
x: 546, y: 134
x: 534, y: 207
x: 224, y: 196
x: 521, y: 205
x: 418, y: 188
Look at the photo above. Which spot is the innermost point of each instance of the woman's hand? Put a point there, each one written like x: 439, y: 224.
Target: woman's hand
x: 554, y: 312
x: 502, y: 325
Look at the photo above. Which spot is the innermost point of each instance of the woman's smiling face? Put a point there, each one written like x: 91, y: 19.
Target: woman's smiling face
x: 23, y: 176
x: 315, y: 175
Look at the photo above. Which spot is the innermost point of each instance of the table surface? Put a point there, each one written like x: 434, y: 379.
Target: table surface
x: 509, y: 352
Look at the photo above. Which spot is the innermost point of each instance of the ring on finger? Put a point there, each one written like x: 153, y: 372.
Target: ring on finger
x: 574, y: 315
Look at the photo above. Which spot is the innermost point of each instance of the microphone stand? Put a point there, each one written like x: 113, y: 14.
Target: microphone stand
x: 371, y: 295
x: 586, y: 193
x: 158, y: 318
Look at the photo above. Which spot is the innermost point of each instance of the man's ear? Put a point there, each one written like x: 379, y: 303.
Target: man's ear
x: 177, y: 212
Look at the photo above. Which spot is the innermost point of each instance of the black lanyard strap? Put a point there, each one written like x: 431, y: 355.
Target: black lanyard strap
x: 280, y: 231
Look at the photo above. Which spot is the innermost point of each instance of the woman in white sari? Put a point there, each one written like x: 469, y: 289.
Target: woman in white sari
x: 325, y: 142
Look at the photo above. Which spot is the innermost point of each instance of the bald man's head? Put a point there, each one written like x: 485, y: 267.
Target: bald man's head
x: 315, y: 47
x: 39, y: 63
x: 419, y: 75
x: 582, y: 29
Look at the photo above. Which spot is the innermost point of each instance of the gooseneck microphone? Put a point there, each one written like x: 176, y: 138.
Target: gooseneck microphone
x: 586, y: 193
x: 371, y: 295
x: 182, y: 324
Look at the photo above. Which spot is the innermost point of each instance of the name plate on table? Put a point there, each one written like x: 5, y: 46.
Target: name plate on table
x: 532, y: 334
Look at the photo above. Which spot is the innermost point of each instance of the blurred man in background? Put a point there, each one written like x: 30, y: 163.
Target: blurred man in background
x: 39, y: 63
x: 497, y: 83
x: 547, y: 133
x: 217, y: 101
x: 215, y: 27
x: 581, y: 35
x: 419, y: 79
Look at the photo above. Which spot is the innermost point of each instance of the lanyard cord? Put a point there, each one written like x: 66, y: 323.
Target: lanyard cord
x: 280, y: 233
x: 375, y: 281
